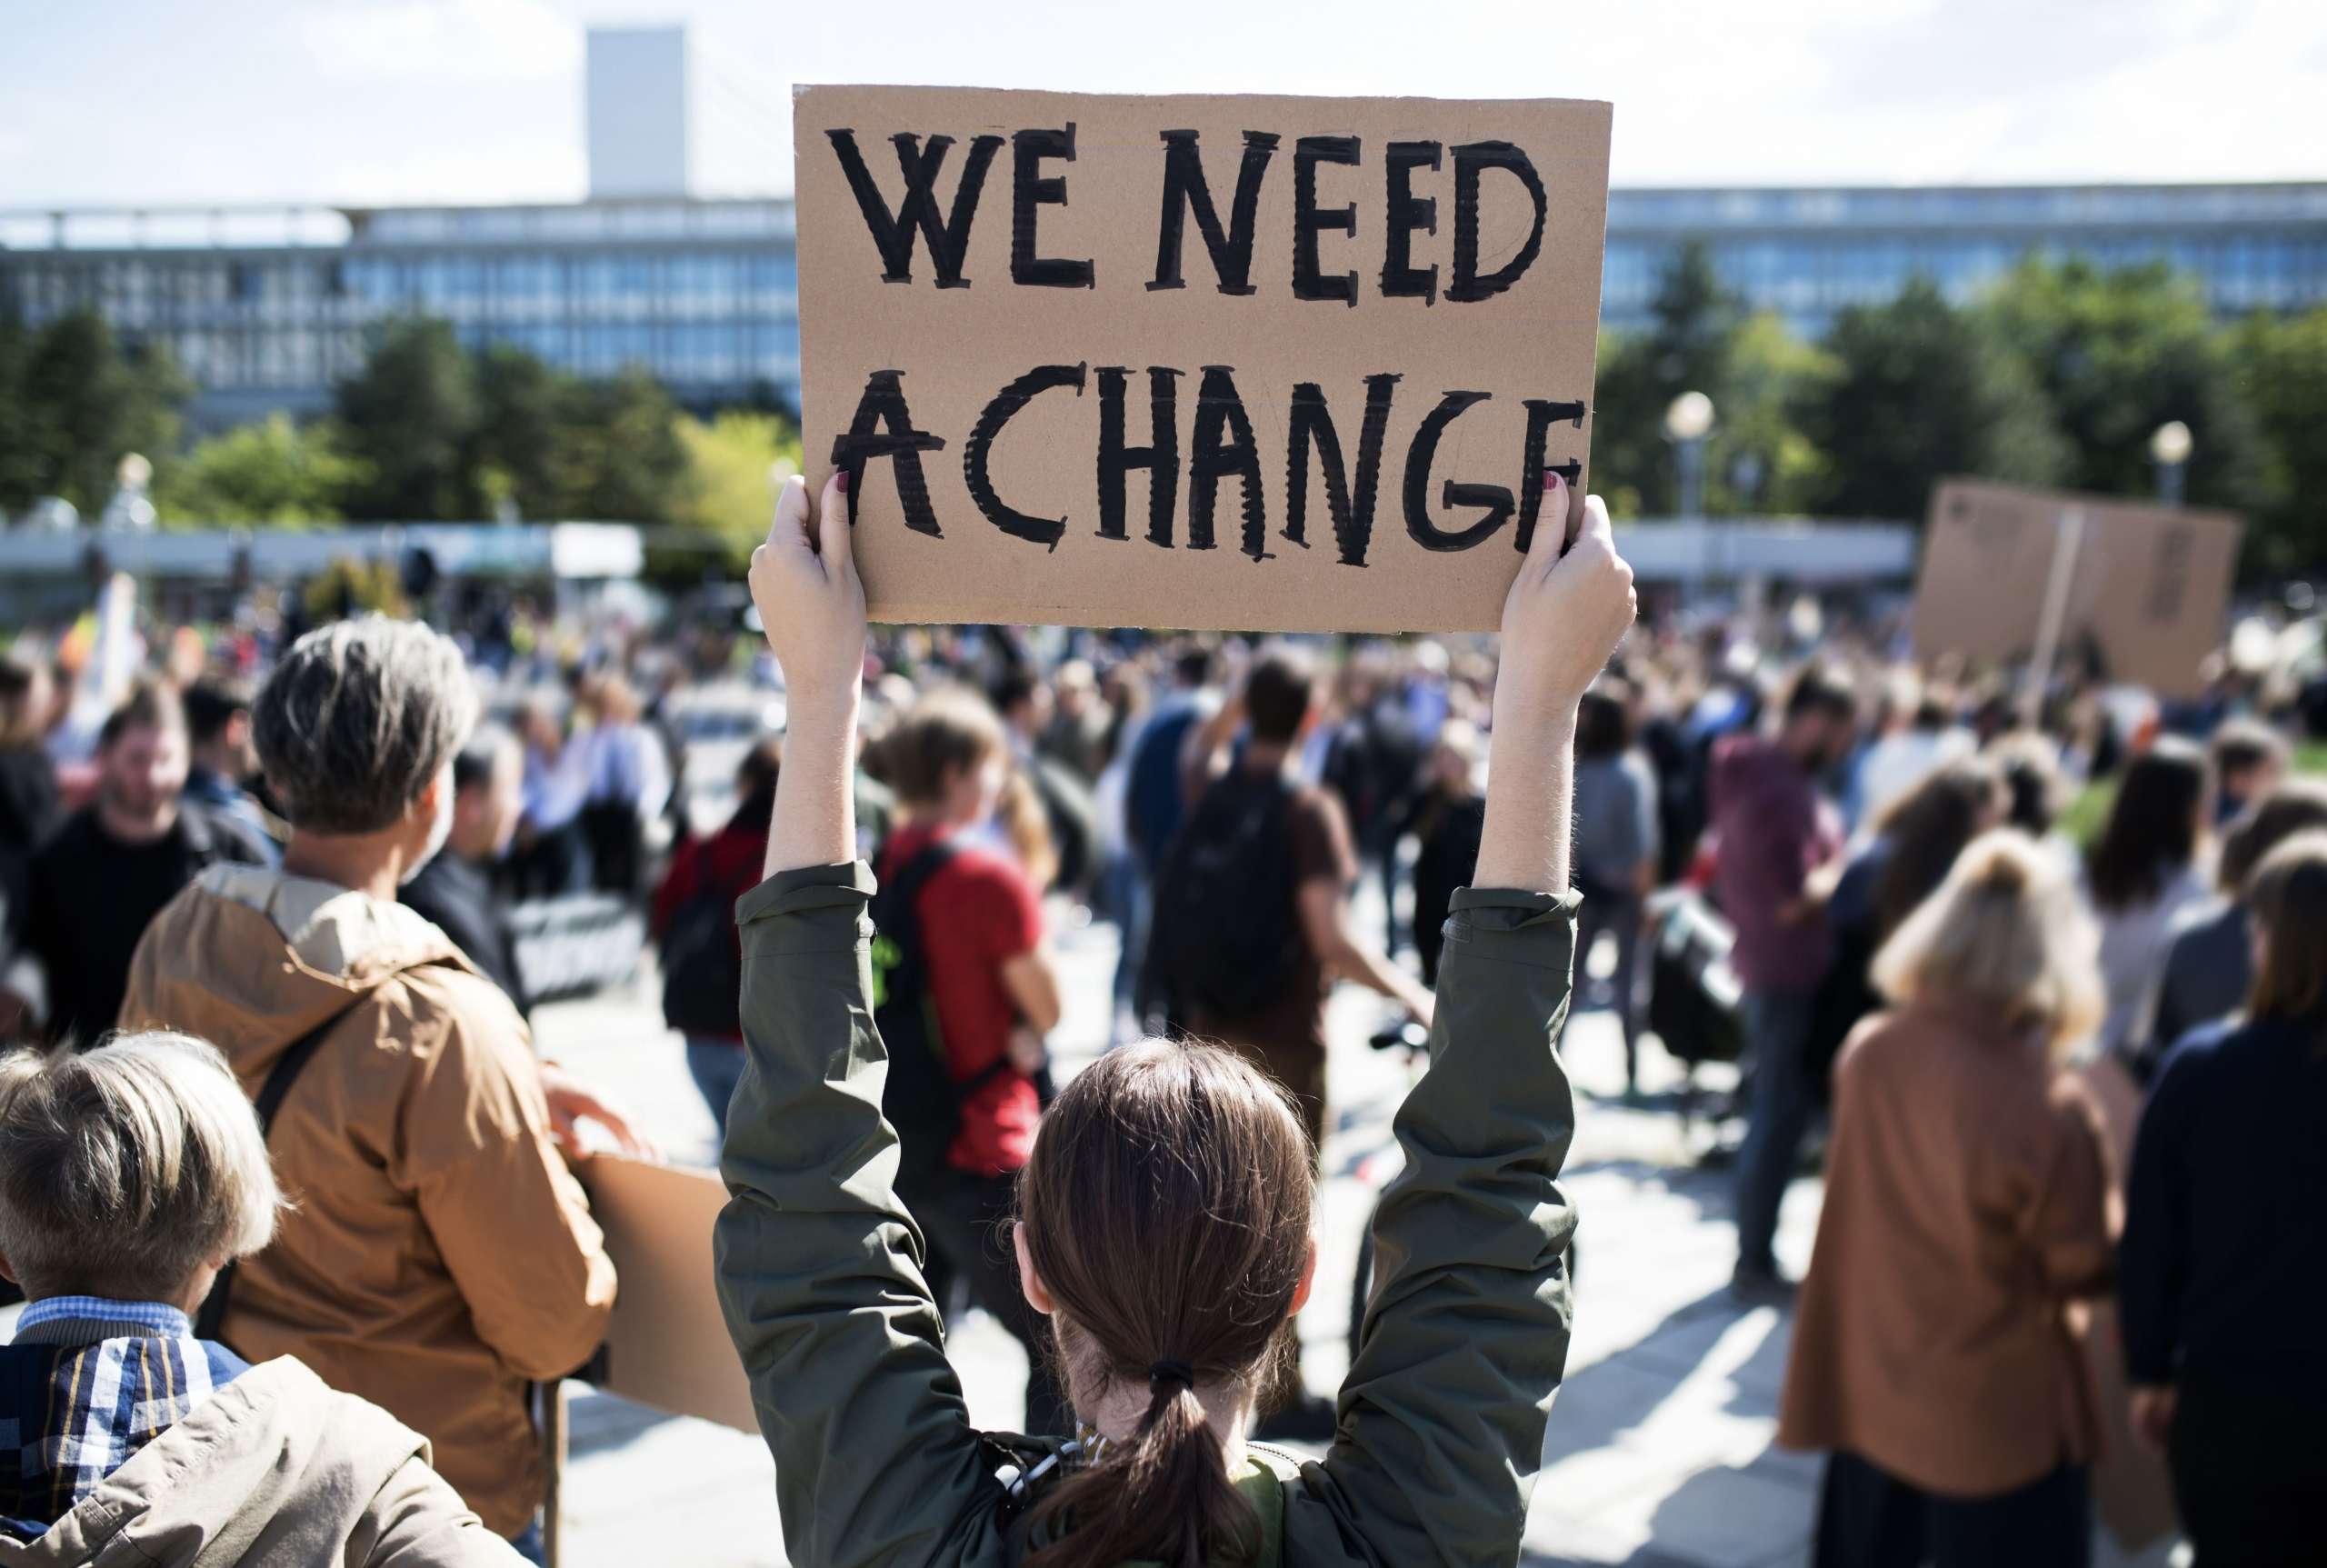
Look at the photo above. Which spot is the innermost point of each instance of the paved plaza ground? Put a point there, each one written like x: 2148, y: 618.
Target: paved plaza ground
x: 1660, y: 1451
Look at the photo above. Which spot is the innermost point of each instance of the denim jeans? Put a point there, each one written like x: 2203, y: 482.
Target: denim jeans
x: 527, y: 1542
x: 717, y: 1066
x: 1777, y: 1043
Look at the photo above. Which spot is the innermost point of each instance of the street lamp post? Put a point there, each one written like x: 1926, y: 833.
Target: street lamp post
x: 2169, y: 449
x: 1687, y: 423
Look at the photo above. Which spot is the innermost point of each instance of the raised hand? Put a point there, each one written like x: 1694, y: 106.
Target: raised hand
x: 804, y: 585
x: 1565, y: 613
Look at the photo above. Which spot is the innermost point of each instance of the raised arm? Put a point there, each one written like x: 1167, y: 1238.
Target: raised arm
x: 1465, y: 1338
x: 819, y: 1264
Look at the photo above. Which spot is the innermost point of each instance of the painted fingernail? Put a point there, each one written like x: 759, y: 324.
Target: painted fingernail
x: 840, y: 481
x: 1552, y: 479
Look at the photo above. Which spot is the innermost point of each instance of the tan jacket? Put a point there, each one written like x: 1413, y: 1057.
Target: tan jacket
x: 1967, y: 1205
x: 273, y: 1470
x: 441, y: 1255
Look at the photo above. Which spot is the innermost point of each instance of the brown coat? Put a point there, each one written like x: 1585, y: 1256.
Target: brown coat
x: 441, y: 1255
x: 1967, y: 1205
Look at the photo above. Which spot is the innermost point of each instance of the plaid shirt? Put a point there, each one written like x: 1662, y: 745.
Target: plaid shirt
x: 87, y: 1383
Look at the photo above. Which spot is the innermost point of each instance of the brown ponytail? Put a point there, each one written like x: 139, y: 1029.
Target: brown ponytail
x: 1167, y: 1207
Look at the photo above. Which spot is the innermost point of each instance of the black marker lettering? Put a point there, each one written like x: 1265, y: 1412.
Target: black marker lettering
x: 1307, y: 221
x: 1401, y: 279
x: 1312, y: 424
x: 1185, y: 193
x: 1222, y: 445
x: 977, y: 454
x: 1470, y: 159
x: 1029, y: 193
x: 1161, y: 458
x: 949, y: 241
x: 1540, y: 416
x: 1419, y: 458
x: 883, y: 404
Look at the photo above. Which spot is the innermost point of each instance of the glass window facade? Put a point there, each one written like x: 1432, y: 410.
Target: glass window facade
x: 704, y: 293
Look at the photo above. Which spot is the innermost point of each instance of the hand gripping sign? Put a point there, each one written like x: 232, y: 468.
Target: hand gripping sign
x: 1250, y: 362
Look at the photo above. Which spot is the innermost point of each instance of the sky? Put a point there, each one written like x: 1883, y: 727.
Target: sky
x: 380, y: 101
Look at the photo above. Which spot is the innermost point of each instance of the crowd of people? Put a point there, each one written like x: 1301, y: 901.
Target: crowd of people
x: 2055, y: 1072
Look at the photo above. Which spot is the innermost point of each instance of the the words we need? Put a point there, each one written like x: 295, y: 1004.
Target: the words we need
x: 1257, y: 363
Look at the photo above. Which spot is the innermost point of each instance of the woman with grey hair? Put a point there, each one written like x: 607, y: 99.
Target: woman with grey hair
x: 130, y: 1176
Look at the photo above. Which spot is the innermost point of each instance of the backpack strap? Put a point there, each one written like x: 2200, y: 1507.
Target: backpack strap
x: 279, y: 1079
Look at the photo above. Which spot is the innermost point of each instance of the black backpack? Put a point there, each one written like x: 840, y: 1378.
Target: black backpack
x: 1226, y: 938
x: 921, y: 1099
x: 702, y: 965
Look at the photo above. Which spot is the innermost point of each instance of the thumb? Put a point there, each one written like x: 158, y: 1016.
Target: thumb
x: 833, y: 531
x: 1552, y: 525
x: 790, y: 529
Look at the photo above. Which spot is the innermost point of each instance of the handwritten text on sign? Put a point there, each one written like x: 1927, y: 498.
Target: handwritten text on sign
x: 1262, y: 362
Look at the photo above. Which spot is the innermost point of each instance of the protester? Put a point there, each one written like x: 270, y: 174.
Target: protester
x: 1062, y: 806
x: 442, y: 1257
x: 220, y: 758
x: 694, y: 921
x: 2209, y: 966
x: 1253, y: 921
x: 103, y: 875
x: 455, y: 891
x: 2145, y: 870
x: 1774, y: 830
x: 29, y: 813
x: 1616, y: 850
x: 988, y: 974
x: 1926, y: 738
x: 629, y: 781
x: 1446, y: 822
x: 2249, y: 759
x: 1166, y: 1208
x: 1914, y: 845
x: 552, y: 849
x: 1964, y: 1209
x: 1079, y: 735
x: 2226, y: 1252
x: 1372, y: 766
x: 130, y: 1176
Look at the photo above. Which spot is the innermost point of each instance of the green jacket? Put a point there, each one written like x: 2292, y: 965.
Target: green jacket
x: 1441, y: 1414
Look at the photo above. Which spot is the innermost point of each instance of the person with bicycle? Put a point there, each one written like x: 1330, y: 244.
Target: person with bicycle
x: 1164, y: 1211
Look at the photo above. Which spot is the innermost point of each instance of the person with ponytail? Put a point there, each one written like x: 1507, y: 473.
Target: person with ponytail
x: 1165, y: 1208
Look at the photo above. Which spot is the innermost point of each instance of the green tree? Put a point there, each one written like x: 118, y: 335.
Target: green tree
x: 729, y: 461
x: 2281, y: 370
x: 1688, y: 347
x: 618, y: 455
x: 519, y: 411
x: 20, y: 458
x: 412, y: 418
x: 276, y: 474
x: 1921, y: 390
x: 1760, y: 460
x: 2118, y: 354
x: 81, y: 401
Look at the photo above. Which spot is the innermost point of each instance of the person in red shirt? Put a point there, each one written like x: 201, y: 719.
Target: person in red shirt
x: 713, y: 873
x: 996, y: 992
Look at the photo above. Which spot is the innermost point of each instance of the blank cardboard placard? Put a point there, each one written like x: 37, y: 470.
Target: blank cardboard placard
x: 1237, y: 362
x: 667, y: 1344
x: 2146, y: 596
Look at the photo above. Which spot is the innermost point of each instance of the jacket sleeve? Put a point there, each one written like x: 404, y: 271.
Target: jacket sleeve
x: 508, y: 1218
x: 2070, y: 1224
x: 417, y: 1520
x: 2152, y: 1261
x: 820, y: 1264
x: 1442, y: 1417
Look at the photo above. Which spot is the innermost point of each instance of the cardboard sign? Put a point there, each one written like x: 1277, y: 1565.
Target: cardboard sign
x: 667, y: 1344
x: 1250, y: 362
x: 2147, y: 591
